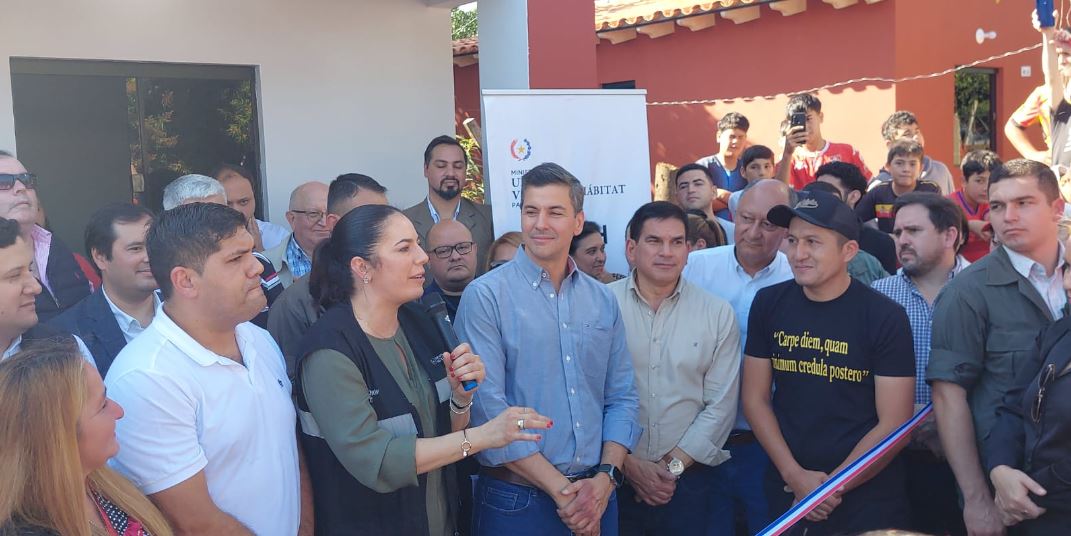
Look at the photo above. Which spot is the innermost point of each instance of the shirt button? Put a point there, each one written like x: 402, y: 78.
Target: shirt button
x: 551, y: 294
x: 578, y: 424
x: 568, y: 358
x: 654, y: 366
x: 652, y: 395
x: 578, y: 458
x: 564, y: 325
x: 572, y: 391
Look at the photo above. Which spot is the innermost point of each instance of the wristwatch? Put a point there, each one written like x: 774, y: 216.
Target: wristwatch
x: 613, y: 472
x: 676, y: 467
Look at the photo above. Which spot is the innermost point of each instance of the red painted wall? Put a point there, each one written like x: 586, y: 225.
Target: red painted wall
x: 777, y: 55
x: 774, y: 54
x: 561, y: 44
x: 466, y: 94
x: 945, y: 37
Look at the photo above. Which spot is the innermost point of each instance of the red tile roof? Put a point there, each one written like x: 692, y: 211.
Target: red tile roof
x: 625, y: 13
x: 619, y: 14
x: 466, y: 46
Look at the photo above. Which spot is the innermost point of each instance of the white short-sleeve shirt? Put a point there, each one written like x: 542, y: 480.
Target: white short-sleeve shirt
x: 189, y: 409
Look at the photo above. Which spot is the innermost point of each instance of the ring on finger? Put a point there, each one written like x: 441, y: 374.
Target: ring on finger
x: 520, y: 424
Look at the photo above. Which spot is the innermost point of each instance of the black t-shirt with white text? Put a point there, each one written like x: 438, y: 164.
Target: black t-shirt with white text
x: 824, y: 357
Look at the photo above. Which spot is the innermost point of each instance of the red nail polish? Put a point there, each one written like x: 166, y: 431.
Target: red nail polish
x: 550, y: 424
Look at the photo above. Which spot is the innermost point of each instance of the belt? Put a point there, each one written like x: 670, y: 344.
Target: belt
x: 505, y: 475
x: 740, y: 437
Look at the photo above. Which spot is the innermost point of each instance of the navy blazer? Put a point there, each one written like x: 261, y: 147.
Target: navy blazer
x: 92, y: 320
x: 1042, y: 450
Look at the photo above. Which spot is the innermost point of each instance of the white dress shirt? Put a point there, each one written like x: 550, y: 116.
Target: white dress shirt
x: 717, y: 271
x: 189, y: 410
x: 1049, y: 287
x: 129, y: 325
x: 271, y: 235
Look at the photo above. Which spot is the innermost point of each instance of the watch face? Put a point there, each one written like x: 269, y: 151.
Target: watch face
x: 676, y: 467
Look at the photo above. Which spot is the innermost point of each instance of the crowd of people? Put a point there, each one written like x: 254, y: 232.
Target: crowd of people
x: 199, y: 371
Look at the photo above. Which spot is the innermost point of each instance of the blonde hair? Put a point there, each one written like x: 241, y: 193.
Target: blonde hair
x: 42, y: 394
x: 512, y: 238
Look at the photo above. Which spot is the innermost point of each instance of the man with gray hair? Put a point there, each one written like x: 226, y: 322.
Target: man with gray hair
x: 308, y: 221
x: 194, y: 188
x: 735, y: 273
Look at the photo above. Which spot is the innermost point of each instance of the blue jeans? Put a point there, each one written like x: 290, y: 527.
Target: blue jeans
x: 505, y: 508
x: 737, y: 487
x: 685, y: 513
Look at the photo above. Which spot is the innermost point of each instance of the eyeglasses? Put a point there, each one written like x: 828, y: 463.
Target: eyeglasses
x: 444, y: 252
x: 1044, y: 380
x: 7, y: 180
x: 313, y: 216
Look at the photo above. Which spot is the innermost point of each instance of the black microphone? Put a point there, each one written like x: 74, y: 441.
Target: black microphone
x: 437, y: 309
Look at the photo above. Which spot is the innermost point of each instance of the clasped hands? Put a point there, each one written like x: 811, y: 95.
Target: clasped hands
x: 582, y: 503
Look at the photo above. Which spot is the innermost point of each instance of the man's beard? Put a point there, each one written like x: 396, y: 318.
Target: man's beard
x: 919, y: 267
x: 448, y: 194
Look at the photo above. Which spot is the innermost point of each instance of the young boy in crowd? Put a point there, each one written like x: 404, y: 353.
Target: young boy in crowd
x: 903, y: 125
x: 805, y: 148
x: 725, y: 166
x: 756, y: 163
x: 905, y: 165
x: 973, y: 198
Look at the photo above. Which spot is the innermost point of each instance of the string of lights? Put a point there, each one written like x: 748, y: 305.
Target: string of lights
x: 868, y: 79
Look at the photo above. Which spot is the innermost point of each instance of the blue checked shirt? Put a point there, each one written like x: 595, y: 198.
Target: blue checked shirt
x: 561, y: 352
x: 902, y: 290
x: 296, y: 258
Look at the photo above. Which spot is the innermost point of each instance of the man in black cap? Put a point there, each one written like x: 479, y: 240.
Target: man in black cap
x: 842, y: 357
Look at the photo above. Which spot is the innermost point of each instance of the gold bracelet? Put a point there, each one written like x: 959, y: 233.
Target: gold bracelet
x: 465, y: 445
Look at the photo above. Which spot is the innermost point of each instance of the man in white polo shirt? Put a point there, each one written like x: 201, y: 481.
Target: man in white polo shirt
x: 209, y: 432
x: 735, y: 273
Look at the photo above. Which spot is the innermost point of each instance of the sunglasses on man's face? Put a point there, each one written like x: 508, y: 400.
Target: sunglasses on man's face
x: 7, y: 180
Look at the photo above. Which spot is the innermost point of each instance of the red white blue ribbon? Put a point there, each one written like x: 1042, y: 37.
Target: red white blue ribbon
x: 838, y: 480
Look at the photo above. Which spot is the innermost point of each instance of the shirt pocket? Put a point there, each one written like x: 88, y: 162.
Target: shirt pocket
x: 400, y: 426
x: 595, y: 353
x: 1005, y: 351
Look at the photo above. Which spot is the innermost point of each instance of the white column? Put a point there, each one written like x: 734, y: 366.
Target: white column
x: 503, y: 29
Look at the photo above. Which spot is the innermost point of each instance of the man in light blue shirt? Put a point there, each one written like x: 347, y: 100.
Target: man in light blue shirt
x: 552, y: 338
x: 736, y: 273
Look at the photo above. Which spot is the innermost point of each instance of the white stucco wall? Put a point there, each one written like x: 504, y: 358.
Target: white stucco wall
x: 344, y: 85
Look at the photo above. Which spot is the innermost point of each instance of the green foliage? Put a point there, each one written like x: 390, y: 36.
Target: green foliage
x: 238, y: 112
x: 474, y: 186
x: 463, y: 23
x: 974, y: 108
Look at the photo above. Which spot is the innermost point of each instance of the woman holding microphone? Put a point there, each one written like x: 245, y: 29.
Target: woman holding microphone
x: 382, y: 408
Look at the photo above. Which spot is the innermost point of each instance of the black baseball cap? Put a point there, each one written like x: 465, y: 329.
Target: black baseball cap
x: 819, y: 208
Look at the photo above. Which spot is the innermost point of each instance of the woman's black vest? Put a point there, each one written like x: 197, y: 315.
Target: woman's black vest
x: 343, y: 505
